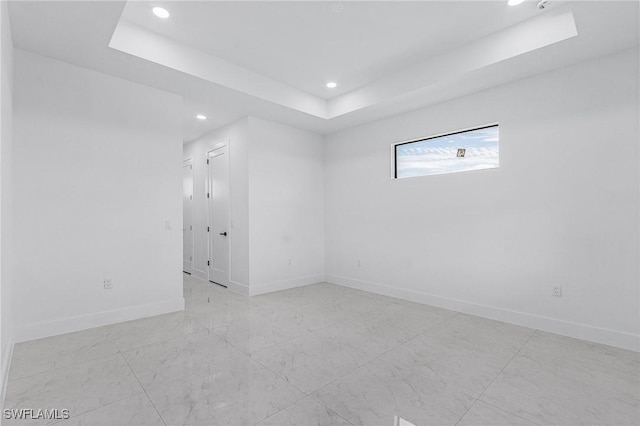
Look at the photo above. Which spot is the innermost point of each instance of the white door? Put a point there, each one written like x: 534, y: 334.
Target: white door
x: 218, y: 165
x: 187, y: 216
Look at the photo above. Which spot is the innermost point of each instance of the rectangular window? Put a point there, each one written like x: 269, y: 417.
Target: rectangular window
x: 475, y: 149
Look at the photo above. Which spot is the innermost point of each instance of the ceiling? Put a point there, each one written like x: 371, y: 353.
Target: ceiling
x: 306, y: 44
x: 272, y: 59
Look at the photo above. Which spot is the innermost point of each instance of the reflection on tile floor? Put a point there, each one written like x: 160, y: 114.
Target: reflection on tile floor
x: 321, y: 355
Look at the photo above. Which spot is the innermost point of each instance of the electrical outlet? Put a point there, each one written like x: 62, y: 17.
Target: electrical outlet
x: 108, y: 284
x: 557, y: 291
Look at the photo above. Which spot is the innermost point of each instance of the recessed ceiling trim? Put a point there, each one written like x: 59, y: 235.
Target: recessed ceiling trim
x: 546, y: 29
x: 136, y: 41
x: 543, y: 30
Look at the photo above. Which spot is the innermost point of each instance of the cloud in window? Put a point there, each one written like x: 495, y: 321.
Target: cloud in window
x: 439, y: 155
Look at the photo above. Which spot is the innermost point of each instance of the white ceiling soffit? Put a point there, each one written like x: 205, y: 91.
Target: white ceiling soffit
x: 535, y: 33
x: 491, y: 51
x: 153, y: 47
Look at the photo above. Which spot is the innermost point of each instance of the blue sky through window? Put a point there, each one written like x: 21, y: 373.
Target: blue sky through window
x: 439, y: 155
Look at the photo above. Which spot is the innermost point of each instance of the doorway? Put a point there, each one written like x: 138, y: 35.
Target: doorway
x: 218, y: 196
x: 187, y: 216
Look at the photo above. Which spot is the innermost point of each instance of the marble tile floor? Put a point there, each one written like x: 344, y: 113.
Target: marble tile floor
x: 321, y: 355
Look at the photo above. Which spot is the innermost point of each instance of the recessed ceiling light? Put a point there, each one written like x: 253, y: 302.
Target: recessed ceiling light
x: 515, y: 2
x: 331, y: 85
x: 161, y: 12
x: 201, y: 117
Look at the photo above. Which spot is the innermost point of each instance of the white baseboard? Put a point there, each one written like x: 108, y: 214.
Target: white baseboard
x: 580, y: 331
x: 284, y: 284
x: 242, y: 289
x: 38, y: 330
x: 6, y: 367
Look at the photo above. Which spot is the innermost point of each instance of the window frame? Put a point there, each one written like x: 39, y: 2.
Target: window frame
x: 394, y: 151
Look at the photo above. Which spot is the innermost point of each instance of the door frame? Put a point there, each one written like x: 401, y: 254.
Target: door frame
x: 189, y: 162
x: 217, y: 146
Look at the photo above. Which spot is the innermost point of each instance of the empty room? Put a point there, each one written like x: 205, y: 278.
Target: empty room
x: 310, y: 213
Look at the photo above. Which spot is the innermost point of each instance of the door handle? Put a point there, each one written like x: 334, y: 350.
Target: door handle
x: 224, y: 234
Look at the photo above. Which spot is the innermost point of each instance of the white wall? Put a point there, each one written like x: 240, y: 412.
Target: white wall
x: 6, y: 231
x: 97, y: 173
x: 237, y: 135
x: 561, y: 210
x: 276, y: 193
x: 286, y: 193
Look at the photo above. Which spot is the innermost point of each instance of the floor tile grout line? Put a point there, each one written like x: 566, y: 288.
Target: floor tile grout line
x: 507, y: 364
x: 143, y: 389
x: 98, y: 408
x: 282, y: 378
x: 205, y: 372
x: 291, y: 338
x: 466, y: 411
x: 286, y: 381
x: 280, y: 410
x: 476, y: 399
x: 330, y: 409
x: 75, y: 364
x: 507, y: 411
x: 104, y: 405
x: 307, y: 395
x: 261, y: 349
x: 350, y: 371
x: 310, y: 394
x: 365, y: 364
x: 181, y: 336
